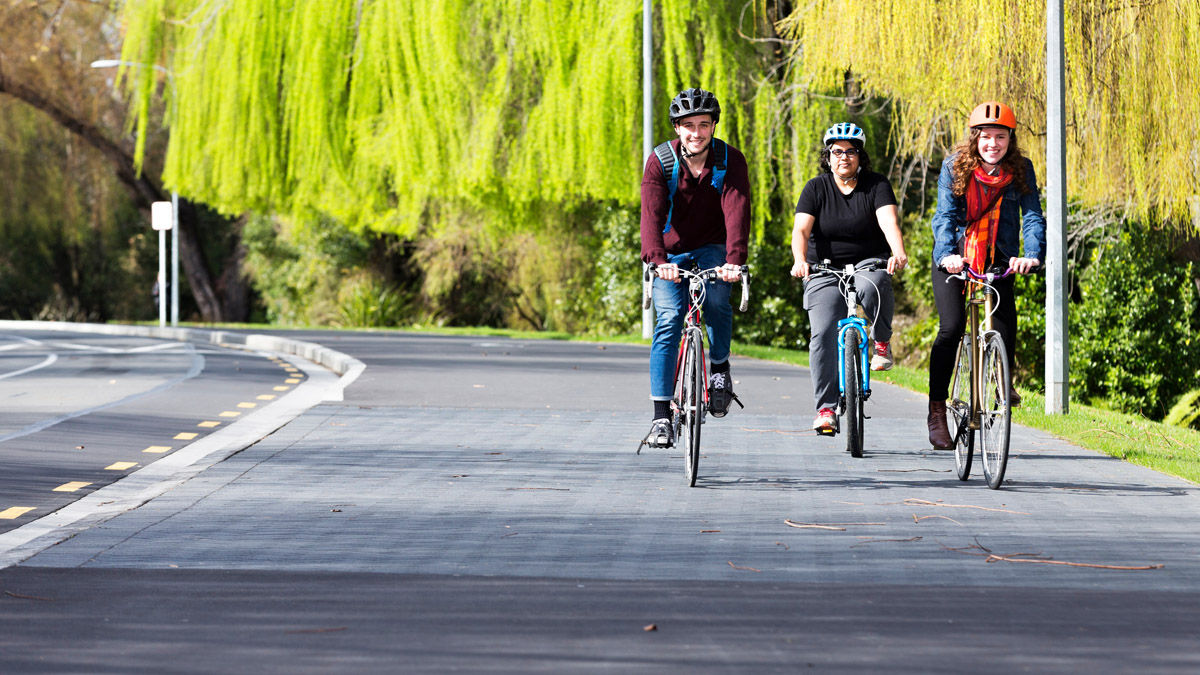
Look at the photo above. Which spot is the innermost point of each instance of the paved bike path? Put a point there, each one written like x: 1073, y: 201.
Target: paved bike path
x: 504, y: 471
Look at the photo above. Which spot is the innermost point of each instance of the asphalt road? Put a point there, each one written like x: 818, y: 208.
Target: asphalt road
x: 81, y: 411
x: 476, y: 505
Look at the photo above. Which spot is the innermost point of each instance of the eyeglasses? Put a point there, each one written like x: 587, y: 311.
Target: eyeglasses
x: 848, y: 152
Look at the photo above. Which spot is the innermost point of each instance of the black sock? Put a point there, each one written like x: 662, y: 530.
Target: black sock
x: 720, y: 368
x: 662, y: 409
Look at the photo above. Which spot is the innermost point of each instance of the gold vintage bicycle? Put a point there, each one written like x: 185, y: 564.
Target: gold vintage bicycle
x: 979, y: 404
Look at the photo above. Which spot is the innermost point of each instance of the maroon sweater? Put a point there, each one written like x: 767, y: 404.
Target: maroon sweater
x: 702, y: 215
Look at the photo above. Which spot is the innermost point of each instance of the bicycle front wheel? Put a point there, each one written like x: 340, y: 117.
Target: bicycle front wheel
x: 852, y: 363
x: 693, y: 404
x: 958, y: 411
x: 996, y: 413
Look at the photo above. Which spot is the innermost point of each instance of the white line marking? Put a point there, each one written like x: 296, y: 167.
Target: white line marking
x: 45, y: 362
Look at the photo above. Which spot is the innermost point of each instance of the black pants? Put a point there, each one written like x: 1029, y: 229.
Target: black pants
x: 952, y: 322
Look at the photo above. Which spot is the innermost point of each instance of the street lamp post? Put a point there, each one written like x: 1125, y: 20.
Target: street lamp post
x: 174, y: 216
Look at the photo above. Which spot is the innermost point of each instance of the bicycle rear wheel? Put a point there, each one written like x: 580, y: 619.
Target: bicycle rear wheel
x: 693, y: 404
x: 958, y: 411
x: 996, y: 420
x: 852, y: 363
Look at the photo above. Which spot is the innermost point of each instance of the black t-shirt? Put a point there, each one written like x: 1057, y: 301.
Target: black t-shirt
x: 847, y: 230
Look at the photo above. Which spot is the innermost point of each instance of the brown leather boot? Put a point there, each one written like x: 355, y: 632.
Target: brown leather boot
x: 939, y: 433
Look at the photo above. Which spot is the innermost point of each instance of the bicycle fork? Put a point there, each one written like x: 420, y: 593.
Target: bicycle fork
x: 860, y: 325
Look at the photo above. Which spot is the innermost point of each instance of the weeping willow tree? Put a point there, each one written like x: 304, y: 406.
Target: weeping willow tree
x: 422, y: 119
x: 1133, y: 83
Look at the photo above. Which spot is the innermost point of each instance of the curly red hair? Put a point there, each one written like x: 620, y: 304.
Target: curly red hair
x: 968, y: 159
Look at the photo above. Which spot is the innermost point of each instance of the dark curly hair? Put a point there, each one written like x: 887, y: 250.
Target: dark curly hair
x: 864, y: 160
x: 968, y: 160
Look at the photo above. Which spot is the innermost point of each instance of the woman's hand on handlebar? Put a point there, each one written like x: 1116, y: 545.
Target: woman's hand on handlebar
x: 1023, y: 265
x: 800, y: 269
x: 897, y: 263
x: 952, y: 263
x: 668, y: 272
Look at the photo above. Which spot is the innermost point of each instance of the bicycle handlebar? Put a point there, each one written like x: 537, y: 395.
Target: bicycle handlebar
x: 824, y: 267
x: 710, y: 274
x: 993, y: 273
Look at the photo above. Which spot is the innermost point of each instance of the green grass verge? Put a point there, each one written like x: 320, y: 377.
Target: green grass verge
x: 1171, y: 450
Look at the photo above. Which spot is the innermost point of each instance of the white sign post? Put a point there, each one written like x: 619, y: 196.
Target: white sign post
x: 162, y: 218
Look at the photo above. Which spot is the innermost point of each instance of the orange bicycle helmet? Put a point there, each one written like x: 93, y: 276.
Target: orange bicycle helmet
x: 992, y: 113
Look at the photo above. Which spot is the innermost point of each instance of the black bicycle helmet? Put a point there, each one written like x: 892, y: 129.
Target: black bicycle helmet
x: 694, y: 101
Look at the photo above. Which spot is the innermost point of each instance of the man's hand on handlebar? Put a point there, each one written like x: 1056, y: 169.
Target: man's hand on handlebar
x: 800, y: 269
x: 668, y: 272
x: 1023, y: 265
x: 730, y: 273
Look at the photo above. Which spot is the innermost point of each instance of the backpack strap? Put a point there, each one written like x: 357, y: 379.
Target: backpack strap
x: 721, y: 153
x: 670, y: 167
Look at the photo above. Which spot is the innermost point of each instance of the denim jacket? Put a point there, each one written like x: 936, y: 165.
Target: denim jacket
x: 1019, y: 212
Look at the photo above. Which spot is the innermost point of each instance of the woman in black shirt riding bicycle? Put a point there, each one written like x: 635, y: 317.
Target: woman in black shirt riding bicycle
x: 846, y: 215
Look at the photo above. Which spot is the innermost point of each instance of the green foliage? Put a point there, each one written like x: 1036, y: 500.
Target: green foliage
x: 298, y: 268
x: 1186, y: 411
x: 1136, y: 334
x: 617, y: 282
x: 1132, y: 82
x: 368, y: 303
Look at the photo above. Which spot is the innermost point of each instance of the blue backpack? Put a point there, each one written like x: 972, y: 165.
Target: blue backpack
x: 670, y: 167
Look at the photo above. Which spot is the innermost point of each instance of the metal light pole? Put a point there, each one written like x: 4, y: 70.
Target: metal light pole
x: 1057, y: 383
x: 174, y: 218
x: 647, y: 123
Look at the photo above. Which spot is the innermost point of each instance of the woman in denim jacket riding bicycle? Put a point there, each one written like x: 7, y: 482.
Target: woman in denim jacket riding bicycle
x: 987, y: 199
x: 846, y: 215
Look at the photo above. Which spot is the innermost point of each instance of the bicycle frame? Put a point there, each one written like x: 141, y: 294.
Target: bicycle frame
x: 693, y: 329
x: 980, y: 294
x: 852, y: 322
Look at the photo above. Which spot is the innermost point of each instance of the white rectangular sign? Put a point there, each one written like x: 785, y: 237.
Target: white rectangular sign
x: 162, y: 217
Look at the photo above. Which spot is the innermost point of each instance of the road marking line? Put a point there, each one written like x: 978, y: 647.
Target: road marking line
x: 120, y: 466
x: 266, y: 397
x: 292, y: 380
x: 186, y: 435
x: 247, y: 404
x: 158, y: 449
x: 45, y: 362
x: 230, y: 413
x: 281, y: 388
x: 71, y: 487
x: 208, y: 425
x: 15, y: 512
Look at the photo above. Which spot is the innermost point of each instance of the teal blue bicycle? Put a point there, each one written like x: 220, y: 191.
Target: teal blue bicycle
x: 854, y: 358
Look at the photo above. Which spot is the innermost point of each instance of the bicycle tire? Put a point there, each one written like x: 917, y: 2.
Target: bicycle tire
x: 959, y: 413
x: 693, y: 405
x: 996, y: 411
x: 852, y: 363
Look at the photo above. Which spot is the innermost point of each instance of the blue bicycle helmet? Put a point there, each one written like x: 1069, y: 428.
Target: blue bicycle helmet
x: 846, y: 131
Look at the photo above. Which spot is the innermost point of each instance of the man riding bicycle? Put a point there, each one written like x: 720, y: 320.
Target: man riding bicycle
x: 695, y: 211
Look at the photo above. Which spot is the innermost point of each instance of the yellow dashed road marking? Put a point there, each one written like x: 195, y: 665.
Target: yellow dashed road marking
x: 266, y: 397
x: 14, y: 512
x: 291, y: 380
x: 158, y: 449
x: 71, y: 487
x: 186, y: 435
x: 246, y: 404
x: 231, y: 413
x: 208, y: 425
x: 281, y: 388
x: 120, y: 466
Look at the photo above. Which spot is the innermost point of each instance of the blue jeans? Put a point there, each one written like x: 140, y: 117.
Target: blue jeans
x: 670, y: 305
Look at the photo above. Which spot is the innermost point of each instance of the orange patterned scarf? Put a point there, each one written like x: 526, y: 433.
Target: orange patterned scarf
x: 983, y: 215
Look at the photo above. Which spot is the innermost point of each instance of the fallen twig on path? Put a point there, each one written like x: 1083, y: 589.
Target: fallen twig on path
x: 777, y: 431
x: 1051, y: 561
x: 22, y: 596
x: 917, y: 519
x: 876, y: 541
x: 739, y: 567
x: 912, y: 501
x: 840, y: 527
x: 912, y: 470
